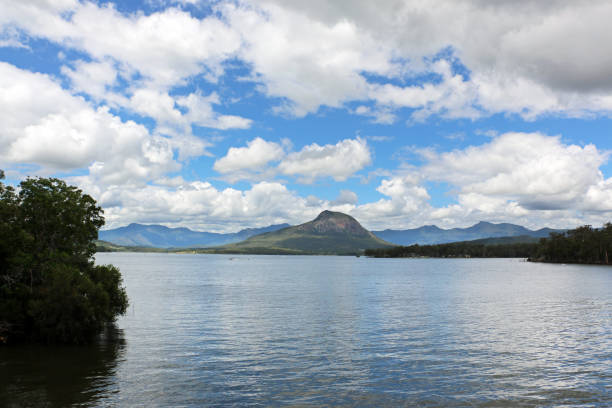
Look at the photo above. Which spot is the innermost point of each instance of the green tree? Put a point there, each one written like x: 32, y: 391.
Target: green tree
x: 50, y: 289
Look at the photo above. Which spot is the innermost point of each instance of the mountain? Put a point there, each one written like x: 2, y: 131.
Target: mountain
x: 430, y: 234
x: 159, y: 236
x: 329, y: 223
x: 330, y: 233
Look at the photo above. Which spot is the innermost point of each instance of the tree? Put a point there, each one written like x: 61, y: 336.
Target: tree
x: 50, y: 289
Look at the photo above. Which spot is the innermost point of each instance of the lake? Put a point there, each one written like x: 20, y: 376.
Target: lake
x: 223, y: 330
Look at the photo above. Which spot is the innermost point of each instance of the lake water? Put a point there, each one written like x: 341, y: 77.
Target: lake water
x: 220, y: 330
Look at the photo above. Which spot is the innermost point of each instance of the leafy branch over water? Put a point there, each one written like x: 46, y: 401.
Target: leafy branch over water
x: 50, y: 289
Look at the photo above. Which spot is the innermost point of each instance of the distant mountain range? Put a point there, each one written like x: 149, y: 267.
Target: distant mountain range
x: 331, y: 233
x: 158, y: 236
x: 430, y: 234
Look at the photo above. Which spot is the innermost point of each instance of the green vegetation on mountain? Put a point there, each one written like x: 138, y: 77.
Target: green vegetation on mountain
x: 50, y: 289
x: 331, y: 233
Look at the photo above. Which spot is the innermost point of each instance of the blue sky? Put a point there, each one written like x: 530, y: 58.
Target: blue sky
x: 231, y: 114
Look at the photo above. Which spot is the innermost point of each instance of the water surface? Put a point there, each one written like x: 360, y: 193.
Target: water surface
x: 309, y: 331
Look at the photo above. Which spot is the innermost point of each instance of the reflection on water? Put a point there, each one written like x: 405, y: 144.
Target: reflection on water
x: 60, y: 376
x: 213, y: 330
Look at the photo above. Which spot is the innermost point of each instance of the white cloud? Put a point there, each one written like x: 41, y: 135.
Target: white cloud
x: 383, y: 116
x: 452, y: 97
x: 153, y: 53
x: 10, y: 37
x: 165, y: 47
x: 156, y: 104
x: 201, y: 206
x: 598, y: 197
x: 92, y: 78
x: 176, y: 115
x: 338, y: 161
x: 345, y: 197
x: 536, y: 170
x: 308, y: 62
x: 253, y: 162
x: 501, y: 181
x: 527, y: 178
x: 44, y: 125
x: 407, y: 202
x: 200, y: 112
x: 386, y: 55
x: 245, y: 162
x: 519, y: 56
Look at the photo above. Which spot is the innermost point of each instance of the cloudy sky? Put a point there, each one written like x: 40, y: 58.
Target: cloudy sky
x: 230, y: 114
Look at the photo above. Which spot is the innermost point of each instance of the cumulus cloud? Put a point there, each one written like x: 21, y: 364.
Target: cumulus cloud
x: 460, y: 59
x: 201, y: 206
x: 92, y: 78
x: 313, y: 161
x: 338, y: 161
x: 518, y: 57
x: 47, y: 126
x: 345, y: 197
x: 164, y: 47
x: 505, y: 180
x: 153, y: 53
x: 307, y: 62
x: 536, y: 170
x: 175, y: 115
x: 246, y: 162
x: 200, y: 112
x: 406, y: 204
x: 452, y: 97
x: 528, y: 178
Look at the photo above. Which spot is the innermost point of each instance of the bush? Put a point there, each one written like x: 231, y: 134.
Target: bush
x: 50, y: 289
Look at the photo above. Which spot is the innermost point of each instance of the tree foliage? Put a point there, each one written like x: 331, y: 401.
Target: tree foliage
x: 581, y: 245
x: 50, y: 289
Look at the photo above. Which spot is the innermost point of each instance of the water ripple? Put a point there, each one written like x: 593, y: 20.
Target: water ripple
x: 340, y: 331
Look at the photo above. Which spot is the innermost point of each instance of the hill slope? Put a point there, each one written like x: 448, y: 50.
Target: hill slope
x: 330, y: 233
x: 430, y: 234
x: 158, y: 236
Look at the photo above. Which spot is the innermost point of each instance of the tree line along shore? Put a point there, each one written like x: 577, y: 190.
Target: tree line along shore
x: 585, y: 245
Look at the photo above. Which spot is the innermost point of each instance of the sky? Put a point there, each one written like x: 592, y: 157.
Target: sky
x: 222, y: 115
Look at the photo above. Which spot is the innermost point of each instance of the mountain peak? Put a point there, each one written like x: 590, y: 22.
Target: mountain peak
x: 334, y: 222
x: 331, y: 214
